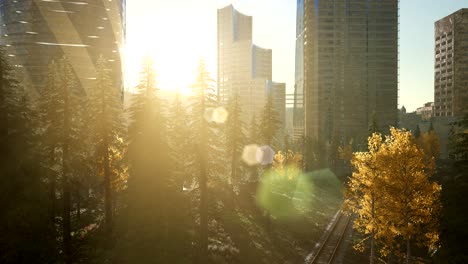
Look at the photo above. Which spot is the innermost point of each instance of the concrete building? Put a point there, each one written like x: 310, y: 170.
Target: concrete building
x: 244, y: 68
x: 426, y: 112
x: 451, y: 65
x: 35, y: 32
x: 350, y: 68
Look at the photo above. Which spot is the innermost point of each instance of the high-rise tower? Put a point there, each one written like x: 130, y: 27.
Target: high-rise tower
x: 35, y: 32
x: 350, y: 68
x: 451, y: 65
x: 244, y: 69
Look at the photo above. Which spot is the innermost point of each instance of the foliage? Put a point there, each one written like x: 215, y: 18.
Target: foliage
x: 269, y: 123
x: 235, y: 140
x: 391, y: 193
x: 287, y: 164
x: 26, y: 235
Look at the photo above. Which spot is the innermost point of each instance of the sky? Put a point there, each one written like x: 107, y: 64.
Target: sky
x: 177, y: 34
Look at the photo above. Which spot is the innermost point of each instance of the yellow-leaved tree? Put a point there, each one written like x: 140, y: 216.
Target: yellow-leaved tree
x: 430, y: 144
x: 392, y: 195
x: 364, y: 195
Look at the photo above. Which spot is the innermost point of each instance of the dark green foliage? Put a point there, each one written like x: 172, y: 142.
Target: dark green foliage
x: 459, y: 140
x: 149, y: 165
x: 107, y: 132
x: 26, y: 234
x: 269, y: 123
x: 417, y: 132
x: 235, y: 140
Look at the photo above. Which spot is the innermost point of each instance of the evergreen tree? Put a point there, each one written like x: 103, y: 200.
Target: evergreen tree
x: 235, y: 139
x: 459, y: 140
x: 206, y: 153
x: 149, y: 174
x: 107, y: 131
x: 269, y: 123
x: 61, y: 122
x: 253, y: 138
x: 26, y: 234
x: 417, y: 132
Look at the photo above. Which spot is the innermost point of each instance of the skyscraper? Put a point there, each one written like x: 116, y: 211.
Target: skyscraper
x: 35, y: 32
x: 298, y: 112
x: 451, y: 65
x: 350, y: 68
x: 244, y: 69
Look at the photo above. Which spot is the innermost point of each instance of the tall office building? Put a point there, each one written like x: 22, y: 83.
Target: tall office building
x: 244, y: 69
x: 350, y: 68
x: 34, y: 32
x: 451, y: 65
x: 298, y: 105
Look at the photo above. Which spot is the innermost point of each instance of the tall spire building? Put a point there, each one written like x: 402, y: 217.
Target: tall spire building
x: 350, y: 68
x: 34, y: 32
x: 245, y: 69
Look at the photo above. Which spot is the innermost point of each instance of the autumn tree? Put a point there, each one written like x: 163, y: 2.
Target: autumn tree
x: 107, y: 132
x: 429, y: 142
x: 365, y: 197
x: 399, y: 173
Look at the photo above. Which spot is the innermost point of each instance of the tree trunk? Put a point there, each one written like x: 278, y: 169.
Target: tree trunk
x: 78, y: 203
x: 52, y: 189
x: 372, y: 240
x: 203, y: 258
x: 65, y: 171
x: 107, y: 190
x: 408, y: 251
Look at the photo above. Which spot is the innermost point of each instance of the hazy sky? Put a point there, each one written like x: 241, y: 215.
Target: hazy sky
x: 178, y: 33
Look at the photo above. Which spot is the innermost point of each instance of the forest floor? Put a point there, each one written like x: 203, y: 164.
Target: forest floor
x: 298, y: 211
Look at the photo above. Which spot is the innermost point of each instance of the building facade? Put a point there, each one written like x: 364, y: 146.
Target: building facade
x: 451, y: 65
x: 244, y: 69
x: 350, y: 68
x: 33, y: 33
x: 298, y: 112
x: 426, y: 112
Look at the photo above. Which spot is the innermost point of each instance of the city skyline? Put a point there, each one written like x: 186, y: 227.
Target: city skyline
x: 416, y: 47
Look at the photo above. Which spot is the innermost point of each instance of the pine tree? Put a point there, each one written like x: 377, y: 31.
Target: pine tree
x: 269, y: 123
x: 205, y: 148
x: 107, y: 131
x: 149, y: 174
x: 26, y: 234
x: 253, y: 139
x: 235, y: 139
x: 417, y: 132
x: 60, y: 106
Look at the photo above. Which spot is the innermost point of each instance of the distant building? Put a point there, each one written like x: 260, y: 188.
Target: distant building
x: 297, y: 130
x: 35, y: 32
x: 245, y: 69
x: 426, y: 112
x: 350, y: 68
x: 451, y: 65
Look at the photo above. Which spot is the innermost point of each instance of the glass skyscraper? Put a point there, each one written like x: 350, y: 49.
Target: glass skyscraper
x: 350, y: 68
x: 34, y: 32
